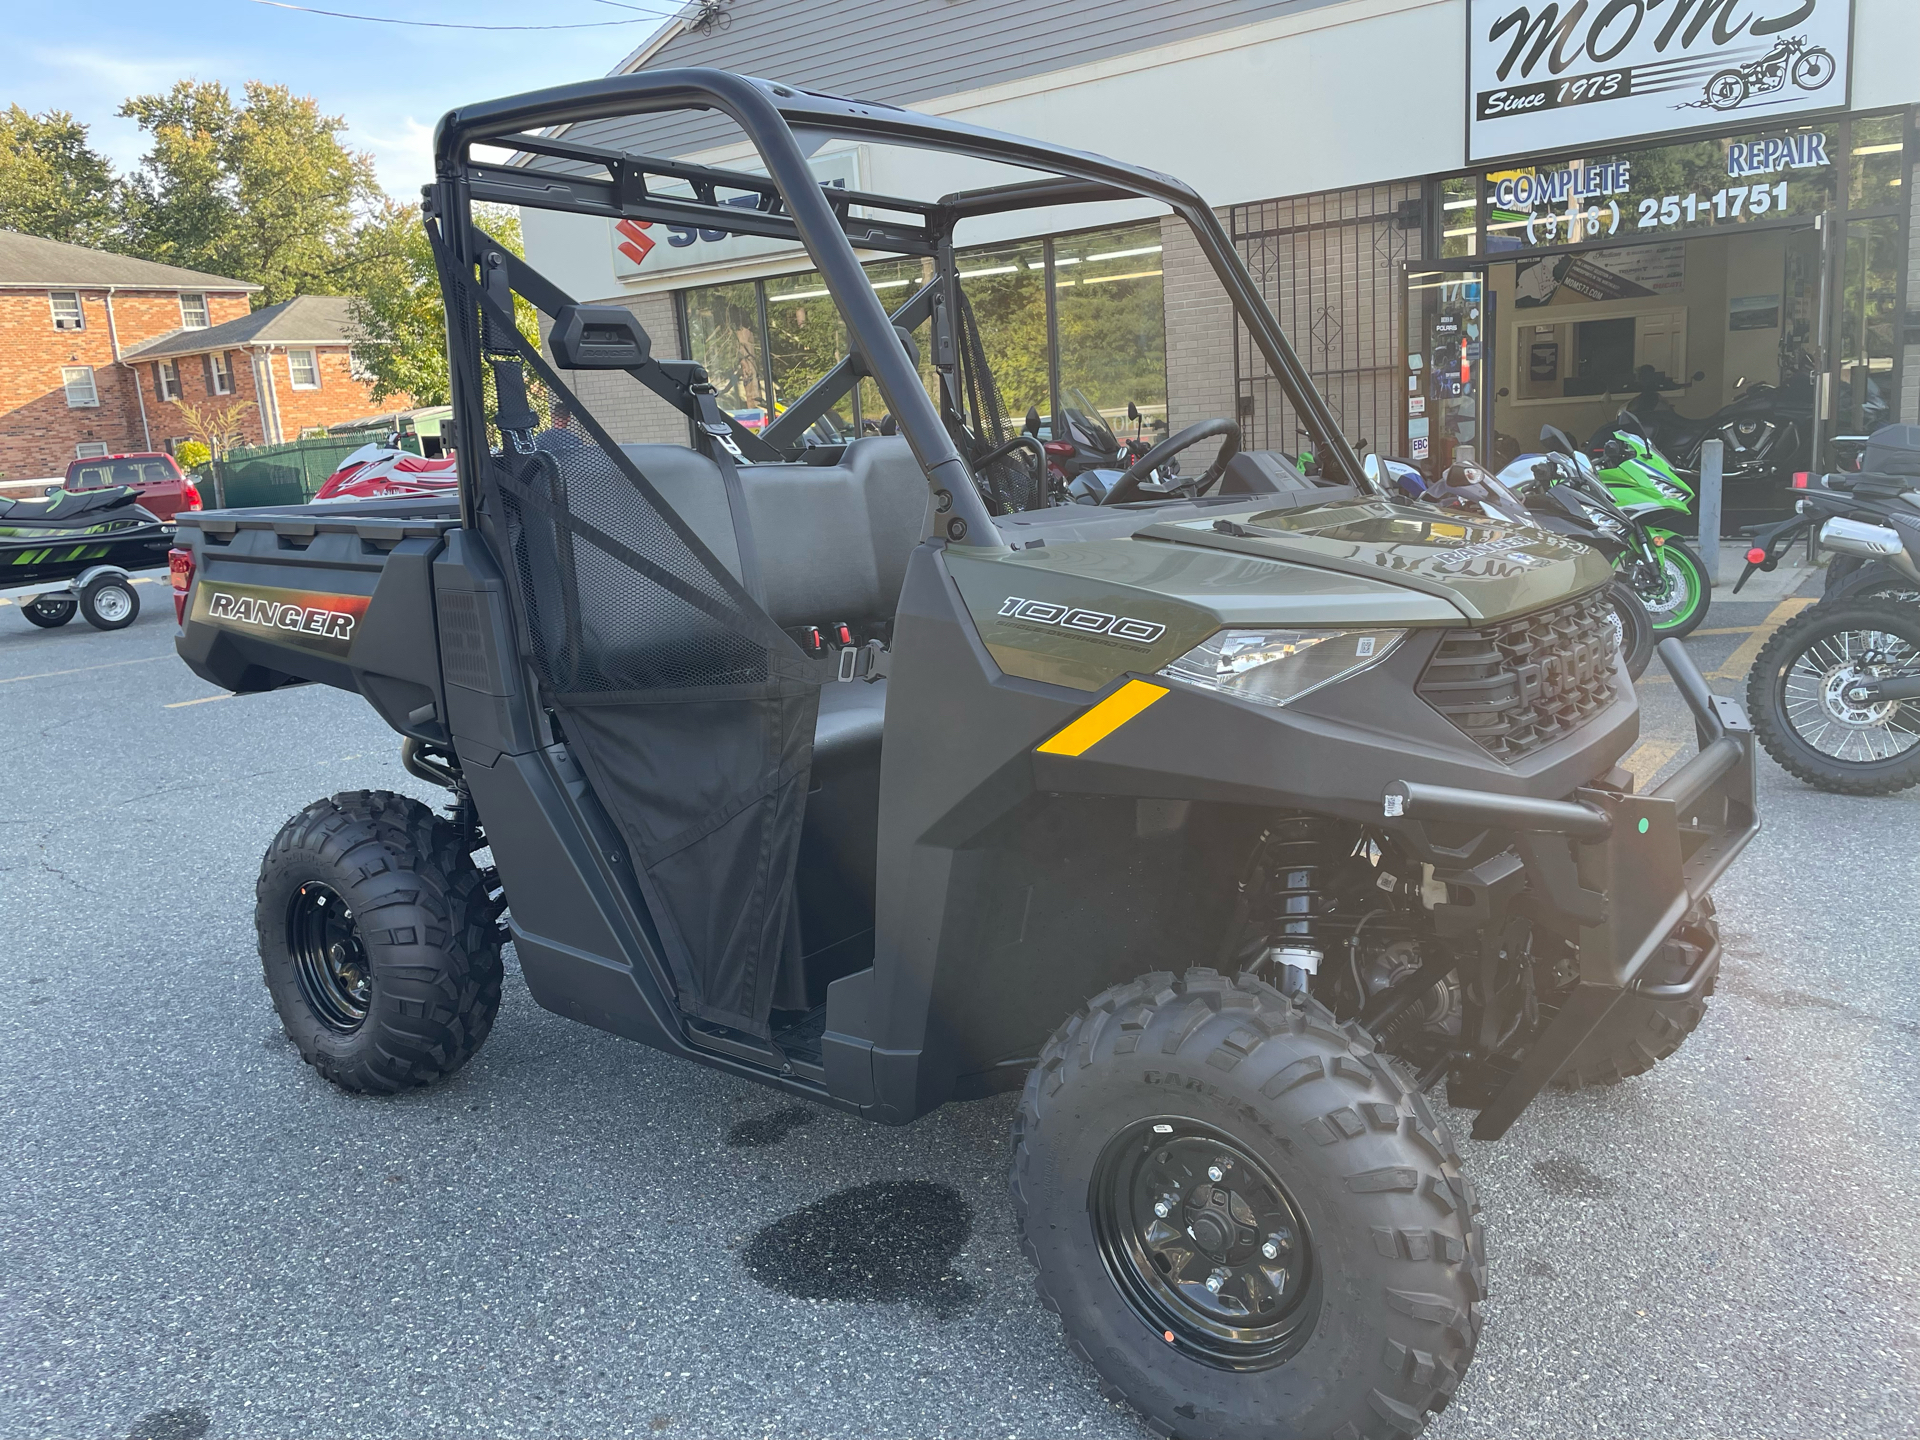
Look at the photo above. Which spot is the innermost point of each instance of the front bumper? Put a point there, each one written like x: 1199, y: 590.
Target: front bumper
x: 1625, y: 868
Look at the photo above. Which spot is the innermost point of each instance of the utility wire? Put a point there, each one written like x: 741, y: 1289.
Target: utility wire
x: 452, y: 25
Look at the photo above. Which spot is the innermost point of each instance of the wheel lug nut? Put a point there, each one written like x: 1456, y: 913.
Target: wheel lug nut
x: 1217, y: 1279
x: 1217, y: 1171
x: 1164, y: 1206
x: 1278, y: 1241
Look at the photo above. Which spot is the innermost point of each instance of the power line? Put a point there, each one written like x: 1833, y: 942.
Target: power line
x: 644, y: 16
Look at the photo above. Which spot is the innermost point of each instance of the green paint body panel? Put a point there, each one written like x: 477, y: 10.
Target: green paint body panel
x: 1354, y: 564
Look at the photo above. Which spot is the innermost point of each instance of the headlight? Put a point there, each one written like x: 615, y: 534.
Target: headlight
x: 1276, y: 667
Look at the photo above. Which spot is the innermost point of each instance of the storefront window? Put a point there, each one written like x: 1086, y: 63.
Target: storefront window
x: 1869, y: 294
x: 1877, y: 160
x: 805, y: 339
x: 723, y: 332
x: 1459, y: 216
x: 1110, y: 307
x: 1007, y: 288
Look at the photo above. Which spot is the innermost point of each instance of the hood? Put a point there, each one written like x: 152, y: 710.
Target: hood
x: 1486, y: 569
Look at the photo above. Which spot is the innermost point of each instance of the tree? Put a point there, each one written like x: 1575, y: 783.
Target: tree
x: 397, y: 303
x: 218, y: 425
x: 52, y: 182
x: 263, y: 191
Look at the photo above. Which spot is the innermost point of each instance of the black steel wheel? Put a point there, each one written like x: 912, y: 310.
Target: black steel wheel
x: 377, y: 941
x: 49, y: 613
x: 1205, y: 1243
x: 1364, y: 1316
x: 328, y: 958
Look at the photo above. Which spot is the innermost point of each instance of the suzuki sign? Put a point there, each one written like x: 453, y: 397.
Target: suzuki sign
x: 643, y: 249
x: 1552, y: 76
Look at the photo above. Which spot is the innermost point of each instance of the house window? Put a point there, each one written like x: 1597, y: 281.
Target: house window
x: 166, y: 379
x: 193, y: 312
x: 219, y: 375
x: 78, y: 380
x: 90, y: 450
x: 303, y: 368
x: 67, y: 314
x: 358, y: 368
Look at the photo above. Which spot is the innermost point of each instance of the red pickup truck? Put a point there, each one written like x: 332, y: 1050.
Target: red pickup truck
x: 164, y: 490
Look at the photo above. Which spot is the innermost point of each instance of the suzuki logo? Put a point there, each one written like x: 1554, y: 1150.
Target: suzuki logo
x: 634, y: 241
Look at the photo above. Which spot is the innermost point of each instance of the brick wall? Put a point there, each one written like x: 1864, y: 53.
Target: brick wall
x: 1199, y: 331
x: 339, y: 398
x: 631, y: 413
x: 38, y: 430
x: 164, y: 417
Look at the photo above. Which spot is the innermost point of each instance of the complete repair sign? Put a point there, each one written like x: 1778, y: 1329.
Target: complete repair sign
x: 309, y: 619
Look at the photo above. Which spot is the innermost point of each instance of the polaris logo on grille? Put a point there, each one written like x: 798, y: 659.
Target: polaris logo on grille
x: 1082, y: 622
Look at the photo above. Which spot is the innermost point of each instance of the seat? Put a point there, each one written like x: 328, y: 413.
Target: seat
x: 66, y: 505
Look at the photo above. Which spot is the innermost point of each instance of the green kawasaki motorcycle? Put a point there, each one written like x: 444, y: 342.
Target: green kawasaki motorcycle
x: 1665, y: 571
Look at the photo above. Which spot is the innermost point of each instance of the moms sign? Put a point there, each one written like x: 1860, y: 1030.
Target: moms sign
x: 1546, y: 75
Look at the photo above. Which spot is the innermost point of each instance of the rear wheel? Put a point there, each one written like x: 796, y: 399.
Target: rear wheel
x: 109, y: 603
x: 377, y: 940
x: 1809, y: 695
x: 1249, y: 1222
x: 49, y: 613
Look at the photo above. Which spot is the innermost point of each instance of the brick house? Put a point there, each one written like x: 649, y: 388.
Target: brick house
x: 293, y: 361
x: 96, y: 348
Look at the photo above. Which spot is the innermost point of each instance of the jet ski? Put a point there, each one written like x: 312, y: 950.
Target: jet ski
x: 74, y: 551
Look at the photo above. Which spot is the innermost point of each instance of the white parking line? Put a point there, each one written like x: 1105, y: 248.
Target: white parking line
x: 203, y: 700
x: 83, y: 669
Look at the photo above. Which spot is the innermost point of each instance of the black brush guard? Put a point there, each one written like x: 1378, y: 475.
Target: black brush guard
x: 1638, y: 864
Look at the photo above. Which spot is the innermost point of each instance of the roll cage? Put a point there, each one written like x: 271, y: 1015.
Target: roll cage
x: 789, y: 203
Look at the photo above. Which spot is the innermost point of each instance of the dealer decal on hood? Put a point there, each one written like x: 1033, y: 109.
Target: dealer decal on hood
x: 310, y: 619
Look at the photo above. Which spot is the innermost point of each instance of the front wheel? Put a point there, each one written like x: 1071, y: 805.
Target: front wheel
x: 1675, y: 587
x: 49, y: 613
x: 1813, y: 69
x: 1632, y: 628
x: 1811, y: 697
x: 1250, y: 1223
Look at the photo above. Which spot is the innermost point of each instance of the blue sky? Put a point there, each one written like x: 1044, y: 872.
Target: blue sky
x: 390, y: 82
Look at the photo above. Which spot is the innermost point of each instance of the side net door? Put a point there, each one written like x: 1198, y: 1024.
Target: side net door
x: 690, y: 711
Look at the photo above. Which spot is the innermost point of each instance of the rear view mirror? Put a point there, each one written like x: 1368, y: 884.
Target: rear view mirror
x: 598, y: 337
x: 1133, y: 411
x: 1033, y: 421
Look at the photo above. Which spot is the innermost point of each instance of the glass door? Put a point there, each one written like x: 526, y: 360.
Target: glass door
x: 1449, y: 322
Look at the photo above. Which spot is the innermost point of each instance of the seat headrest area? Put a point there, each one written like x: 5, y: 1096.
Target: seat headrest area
x: 833, y: 539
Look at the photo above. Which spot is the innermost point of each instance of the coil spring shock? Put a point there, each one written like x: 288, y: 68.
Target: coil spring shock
x: 1290, y: 861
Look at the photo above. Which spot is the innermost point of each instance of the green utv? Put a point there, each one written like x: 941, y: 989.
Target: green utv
x: 1222, y: 819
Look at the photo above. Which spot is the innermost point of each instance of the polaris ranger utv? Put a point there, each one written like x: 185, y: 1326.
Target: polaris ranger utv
x: 1226, y: 816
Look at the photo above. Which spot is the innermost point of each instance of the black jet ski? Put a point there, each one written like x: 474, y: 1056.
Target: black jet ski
x: 75, y: 549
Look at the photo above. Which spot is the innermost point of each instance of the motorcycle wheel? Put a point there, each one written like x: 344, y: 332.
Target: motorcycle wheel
x: 1726, y: 90
x: 1813, y: 69
x: 1678, y: 597
x: 1797, y: 695
x: 1632, y: 626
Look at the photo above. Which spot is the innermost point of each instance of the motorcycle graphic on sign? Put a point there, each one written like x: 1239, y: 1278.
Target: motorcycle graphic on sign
x: 1808, y: 66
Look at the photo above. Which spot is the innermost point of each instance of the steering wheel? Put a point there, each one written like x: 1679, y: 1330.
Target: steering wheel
x: 1127, y: 487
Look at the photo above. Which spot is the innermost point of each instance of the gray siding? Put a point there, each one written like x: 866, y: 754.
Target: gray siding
x: 902, y: 51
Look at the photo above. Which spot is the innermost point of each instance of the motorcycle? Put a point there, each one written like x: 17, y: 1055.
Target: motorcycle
x: 1662, y: 569
x: 1835, y: 693
x: 1644, y: 484
x: 1764, y: 430
x: 1809, y: 67
x: 1546, y: 500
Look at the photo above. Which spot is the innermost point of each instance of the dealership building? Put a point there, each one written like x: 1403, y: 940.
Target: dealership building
x: 1474, y: 217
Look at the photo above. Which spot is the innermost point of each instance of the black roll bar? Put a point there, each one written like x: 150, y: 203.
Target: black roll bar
x: 768, y: 114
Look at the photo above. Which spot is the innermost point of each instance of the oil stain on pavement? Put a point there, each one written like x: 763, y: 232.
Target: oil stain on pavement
x: 894, y: 1240
x: 769, y: 1129
x: 1564, y: 1177
x: 186, y: 1423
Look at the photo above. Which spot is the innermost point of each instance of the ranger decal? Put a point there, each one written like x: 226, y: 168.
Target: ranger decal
x: 309, y: 619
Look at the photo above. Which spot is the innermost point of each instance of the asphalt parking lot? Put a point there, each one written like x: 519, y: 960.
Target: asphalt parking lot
x: 571, y: 1238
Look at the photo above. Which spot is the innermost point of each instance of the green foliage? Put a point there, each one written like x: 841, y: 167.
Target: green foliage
x: 52, y: 182
x: 397, y: 303
x: 191, y: 454
x: 262, y: 191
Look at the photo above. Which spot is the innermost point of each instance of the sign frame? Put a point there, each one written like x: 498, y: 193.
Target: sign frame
x: 1485, y: 148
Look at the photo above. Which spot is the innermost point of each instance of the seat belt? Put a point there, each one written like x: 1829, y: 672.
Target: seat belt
x: 727, y: 457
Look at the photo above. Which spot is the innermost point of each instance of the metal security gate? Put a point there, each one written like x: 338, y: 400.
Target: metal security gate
x: 1329, y: 265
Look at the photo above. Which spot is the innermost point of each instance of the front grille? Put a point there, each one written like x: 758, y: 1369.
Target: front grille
x: 1525, y: 682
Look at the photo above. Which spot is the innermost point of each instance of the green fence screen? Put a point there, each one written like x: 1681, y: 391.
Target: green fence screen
x: 288, y: 474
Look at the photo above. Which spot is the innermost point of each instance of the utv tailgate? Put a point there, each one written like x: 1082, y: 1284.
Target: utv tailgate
x: 342, y: 596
